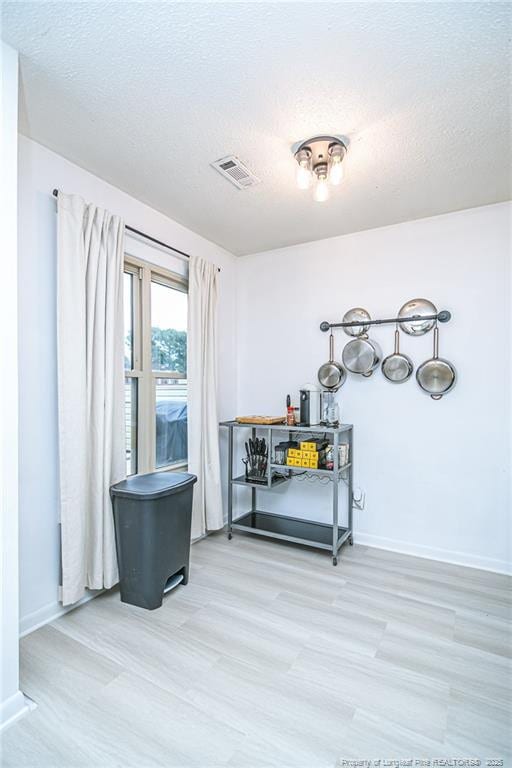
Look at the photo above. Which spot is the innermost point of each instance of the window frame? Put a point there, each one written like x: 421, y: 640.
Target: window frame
x: 144, y: 273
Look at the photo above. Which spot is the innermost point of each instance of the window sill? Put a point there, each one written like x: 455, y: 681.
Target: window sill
x: 174, y: 467
x: 183, y: 467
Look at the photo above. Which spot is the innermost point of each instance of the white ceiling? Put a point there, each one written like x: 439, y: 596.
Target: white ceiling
x: 147, y: 94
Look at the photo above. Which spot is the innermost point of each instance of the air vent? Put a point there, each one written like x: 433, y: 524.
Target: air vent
x: 236, y: 172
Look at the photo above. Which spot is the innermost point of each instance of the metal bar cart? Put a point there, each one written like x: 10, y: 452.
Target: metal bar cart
x: 277, y: 526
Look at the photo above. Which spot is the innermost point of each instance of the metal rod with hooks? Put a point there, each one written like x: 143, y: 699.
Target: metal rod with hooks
x: 443, y: 317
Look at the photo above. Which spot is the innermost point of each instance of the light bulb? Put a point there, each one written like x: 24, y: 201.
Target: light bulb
x: 303, y: 175
x: 321, y: 193
x: 336, y: 168
x: 303, y: 168
x: 337, y: 172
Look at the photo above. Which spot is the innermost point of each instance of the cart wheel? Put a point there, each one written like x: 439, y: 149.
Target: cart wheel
x: 230, y: 536
x: 335, y: 561
x: 351, y: 541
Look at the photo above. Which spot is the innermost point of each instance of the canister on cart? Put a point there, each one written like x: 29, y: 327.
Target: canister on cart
x: 343, y: 457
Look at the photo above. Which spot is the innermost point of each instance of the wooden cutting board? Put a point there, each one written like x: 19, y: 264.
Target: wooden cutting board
x: 260, y: 419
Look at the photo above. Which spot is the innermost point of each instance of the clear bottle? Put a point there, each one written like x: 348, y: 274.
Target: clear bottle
x: 330, y: 408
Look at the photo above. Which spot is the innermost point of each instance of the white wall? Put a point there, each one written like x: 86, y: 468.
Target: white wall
x: 12, y: 703
x: 435, y: 473
x: 39, y: 172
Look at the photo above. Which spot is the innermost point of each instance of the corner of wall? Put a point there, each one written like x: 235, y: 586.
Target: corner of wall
x: 12, y: 702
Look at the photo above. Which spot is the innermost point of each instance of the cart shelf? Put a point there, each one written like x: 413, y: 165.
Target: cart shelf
x: 300, y: 470
x: 288, y: 528
x: 276, y: 480
x: 318, y: 428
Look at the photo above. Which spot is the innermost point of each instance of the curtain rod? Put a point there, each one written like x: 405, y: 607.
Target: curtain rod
x: 147, y: 237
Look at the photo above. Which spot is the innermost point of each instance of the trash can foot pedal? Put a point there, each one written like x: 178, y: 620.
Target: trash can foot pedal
x: 172, y: 582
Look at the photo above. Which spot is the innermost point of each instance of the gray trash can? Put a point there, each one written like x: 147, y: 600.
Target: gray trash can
x: 152, y: 516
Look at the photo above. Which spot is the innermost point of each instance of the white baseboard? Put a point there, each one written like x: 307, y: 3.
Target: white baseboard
x: 434, y: 553
x: 14, y: 708
x: 50, y: 612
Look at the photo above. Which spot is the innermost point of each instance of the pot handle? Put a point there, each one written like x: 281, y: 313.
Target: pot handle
x: 436, y: 397
x: 331, y: 348
x: 436, y: 342
x: 397, y: 341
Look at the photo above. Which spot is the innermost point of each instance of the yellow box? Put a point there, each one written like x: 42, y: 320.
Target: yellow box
x: 305, y: 463
x: 292, y: 462
x: 307, y: 446
x: 313, y: 463
x: 294, y: 453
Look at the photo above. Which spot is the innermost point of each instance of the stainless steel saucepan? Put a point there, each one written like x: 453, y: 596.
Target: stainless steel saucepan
x: 331, y: 375
x: 397, y: 367
x: 436, y: 376
x: 362, y: 356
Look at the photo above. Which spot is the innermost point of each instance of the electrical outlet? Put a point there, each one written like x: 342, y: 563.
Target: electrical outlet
x: 359, y: 501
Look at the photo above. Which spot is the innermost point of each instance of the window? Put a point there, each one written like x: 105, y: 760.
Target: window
x: 131, y: 368
x: 155, y: 361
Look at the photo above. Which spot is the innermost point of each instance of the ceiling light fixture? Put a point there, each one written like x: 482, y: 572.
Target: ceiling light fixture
x: 320, y: 159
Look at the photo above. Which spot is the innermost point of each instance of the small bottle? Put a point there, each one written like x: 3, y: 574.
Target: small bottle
x: 290, y: 416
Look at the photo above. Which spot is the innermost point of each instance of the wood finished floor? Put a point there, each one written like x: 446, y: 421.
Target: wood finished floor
x: 272, y: 657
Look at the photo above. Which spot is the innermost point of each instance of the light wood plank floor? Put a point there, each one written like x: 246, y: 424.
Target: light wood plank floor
x: 272, y: 657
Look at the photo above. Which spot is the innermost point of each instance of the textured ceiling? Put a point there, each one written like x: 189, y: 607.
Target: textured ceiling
x: 147, y: 94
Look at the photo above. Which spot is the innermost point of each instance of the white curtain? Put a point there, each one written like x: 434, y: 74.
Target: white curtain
x: 90, y: 390
x: 203, y: 424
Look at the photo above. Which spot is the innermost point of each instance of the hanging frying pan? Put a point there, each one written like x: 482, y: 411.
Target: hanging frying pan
x: 331, y: 375
x: 357, y: 313
x: 397, y: 367
x: 417, y: 308
x: 436, y: 376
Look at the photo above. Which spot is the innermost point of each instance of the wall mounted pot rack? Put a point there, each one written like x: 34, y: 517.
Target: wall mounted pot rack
x: 442, y: 317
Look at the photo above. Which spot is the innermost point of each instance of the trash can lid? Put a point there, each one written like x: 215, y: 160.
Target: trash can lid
x: 154, y: 485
